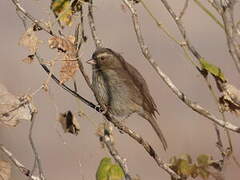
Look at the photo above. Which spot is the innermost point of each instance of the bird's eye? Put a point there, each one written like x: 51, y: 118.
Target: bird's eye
x: 102, y: 58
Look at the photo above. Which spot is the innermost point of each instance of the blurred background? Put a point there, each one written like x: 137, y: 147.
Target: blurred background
x: 65, y: 156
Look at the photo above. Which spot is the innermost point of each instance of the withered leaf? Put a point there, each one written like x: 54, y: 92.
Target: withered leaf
x: 68, y: 69
x: 69, y: 123
x: 5, y: 170
x: 30, y: 40
x: 69, y: 63
x: 62, y: 44
x: 230, y: 100
x: 29, y: 59
x: 11, y: 110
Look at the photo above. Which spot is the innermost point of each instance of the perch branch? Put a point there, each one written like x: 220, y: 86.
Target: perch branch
x: 144, y: 143
x: 72, y: 92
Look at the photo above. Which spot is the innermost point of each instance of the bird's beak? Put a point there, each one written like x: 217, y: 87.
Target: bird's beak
x: 91, y: 61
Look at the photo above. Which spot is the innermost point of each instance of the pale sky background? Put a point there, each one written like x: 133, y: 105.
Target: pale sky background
x: 185, y: 130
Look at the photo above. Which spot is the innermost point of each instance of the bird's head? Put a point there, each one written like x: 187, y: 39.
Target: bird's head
x: 105, y: 58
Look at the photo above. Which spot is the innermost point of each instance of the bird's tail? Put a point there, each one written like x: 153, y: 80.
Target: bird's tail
x: 156, y: 128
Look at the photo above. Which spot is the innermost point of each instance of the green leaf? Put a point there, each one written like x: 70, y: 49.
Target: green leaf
x: 103, y: 168
x: 212, y: 69
x: 115, y: 173
x: 184, y: 168
x: 203, y: 160
x: 203, y: 173
x: 186, y: 157
x: 194, y: 171
x: 109, y: 171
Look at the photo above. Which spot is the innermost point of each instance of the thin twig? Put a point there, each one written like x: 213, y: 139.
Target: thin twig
x: 209, y: 13
x: 114, y: 153
x: 98, y: 42
x: 219, y: 141
x: 193, y: 105
x: 231, y: 32
x: 159, y: 24
x: 65, y: 87
x: 215, y: 4
x: 80, y: 64
x: 29, y: 16
x: 33, y: 118
x: 25, y: 171
x: 184, y: 9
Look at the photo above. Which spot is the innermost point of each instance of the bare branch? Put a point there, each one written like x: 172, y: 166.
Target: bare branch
x: 144, y: 143
x: 145, y: 51
x: 231, y: 32
x: 38, y: 161
x: 98, y: 42
x: 184, y: 9
x: 80, y: 64
x: 209, y: 13
x: 29, y: 16
x: 19, y: 165
x: 72, y: 92
x: 113, y: 151
x: 216, y: 5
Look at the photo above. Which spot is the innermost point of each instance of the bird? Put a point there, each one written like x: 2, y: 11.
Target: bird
x: 121, y: 90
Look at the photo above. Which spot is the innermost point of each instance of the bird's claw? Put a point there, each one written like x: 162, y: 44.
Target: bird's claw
x: 103, y: 109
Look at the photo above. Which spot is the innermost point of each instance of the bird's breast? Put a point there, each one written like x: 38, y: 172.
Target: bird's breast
x: 114, y: 91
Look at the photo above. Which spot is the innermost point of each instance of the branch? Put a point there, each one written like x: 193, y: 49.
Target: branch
x: 38, y: 161
x: 144, y: 143
x: 77, y: 46
x: 227, y: 14
x: 114, y: 153
x: 98, y: 42
x: 209, y: 13
x: 72, y: 92
x: 184, y: 9
x: 19, y: 165
x: 29, y: 16
x: 145, y: 51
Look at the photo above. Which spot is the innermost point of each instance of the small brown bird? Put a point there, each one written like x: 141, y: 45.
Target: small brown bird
x: 121, y: 89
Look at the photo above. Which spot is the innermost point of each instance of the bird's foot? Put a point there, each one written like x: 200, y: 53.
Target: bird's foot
x: 103, y: 109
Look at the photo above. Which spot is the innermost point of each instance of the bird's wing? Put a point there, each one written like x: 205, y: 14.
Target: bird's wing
x: 146, y: 101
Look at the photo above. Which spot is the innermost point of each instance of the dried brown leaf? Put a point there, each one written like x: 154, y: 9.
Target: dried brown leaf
x: 69, y: 123
x: 230, y: 100
x: 11, y: 110
x: 70, y: 64
x: 65, y: 45
x: 29, y: 59
x: 5, y: 170
x: 30, y: 40
x: 68, y: 69
x: 232, y: 92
